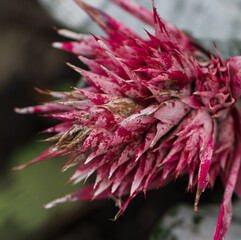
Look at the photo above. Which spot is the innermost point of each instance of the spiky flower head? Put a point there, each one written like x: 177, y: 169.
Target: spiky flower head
x: 157, y: 108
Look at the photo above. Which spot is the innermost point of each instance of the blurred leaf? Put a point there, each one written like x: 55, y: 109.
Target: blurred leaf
x: 23, y: 192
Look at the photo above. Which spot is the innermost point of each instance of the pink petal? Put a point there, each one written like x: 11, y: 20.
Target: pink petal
x: 145, y: 145
x: 96, y: 136
x: 234, y: 65
x: 136, y: 10
x: 107, y: 23
x: 101, y: 82
x: 86, y: 47
x: 48, y: 153
x: 62, y: 127
x: 226, y: 208
x: 83, y: 194
x: 207, y: 149
x: 47, y: 107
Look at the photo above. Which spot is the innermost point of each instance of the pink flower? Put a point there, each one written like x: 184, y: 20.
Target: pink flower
x: 157, y: 108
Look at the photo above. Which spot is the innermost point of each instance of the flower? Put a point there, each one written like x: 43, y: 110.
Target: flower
x: 156, y: 109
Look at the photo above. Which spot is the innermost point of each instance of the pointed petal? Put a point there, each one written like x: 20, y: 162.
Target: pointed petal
x: 206, y: 157
x: 226, y: 208
x: 234, y: 66
x: 101, y: 82
x: 107, y: 23
x: 135, y: 9
x: 48, y: 153
x: 85, y: 193
x: 139, y: 175
x: 47, y: 107
x: 146, y: 144
x: 60, y: 128
x: 86, y: 47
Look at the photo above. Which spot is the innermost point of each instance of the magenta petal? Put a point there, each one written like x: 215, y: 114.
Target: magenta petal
x: 93, y: 65
x: 106, y: 22
x: 171, y: 111
x: 129, y: 89
x: 85, y: 193
x: 97, y: 98
x: 94, y: 139
x: 136, y: 10
x: 62, y: 127
x: 145, y: 145
x: 131, y: 128
x: 103, y: 147
x: 139, y: 175
x: 234, y: 65
x: 86, y: 47
x: 53, y: 107
x: 206, y: 158
x: 141, y: 182
x: 124, y: 206
x: 226, y: 208
x: 238, y: 184
x: 85, y: 170
x: 169, y: 167
x: 100, y: 82
x: 48, y: 153
x: 129, y: 151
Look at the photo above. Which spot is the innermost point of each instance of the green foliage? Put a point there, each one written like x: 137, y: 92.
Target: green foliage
x: 22, y: 193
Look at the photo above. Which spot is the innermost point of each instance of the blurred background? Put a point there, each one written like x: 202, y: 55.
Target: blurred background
x: 27, y: 60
